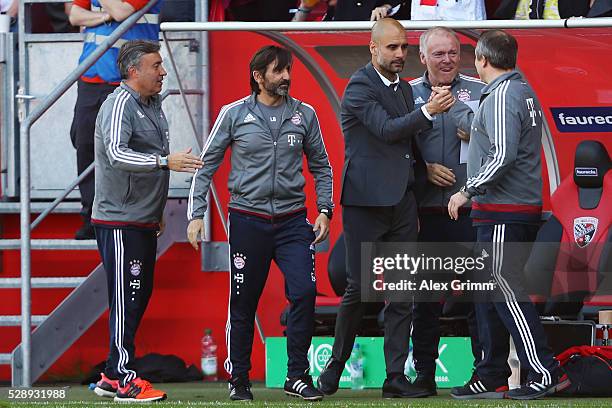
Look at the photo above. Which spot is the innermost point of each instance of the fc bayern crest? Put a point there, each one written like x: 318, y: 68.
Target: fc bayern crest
x: 135, y: 267
x: 463, y: 95
x: 296, y: 119
x: 584, y: 230
x: 239, y: 261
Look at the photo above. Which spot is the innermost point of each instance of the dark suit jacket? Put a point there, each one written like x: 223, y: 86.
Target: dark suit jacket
x: 567, y: 8
x: 378, y: 129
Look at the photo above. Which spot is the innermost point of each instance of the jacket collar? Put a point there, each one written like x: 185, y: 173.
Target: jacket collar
x: 385, y: 81
x: 377, y: 78
x: 497, y: 81
x: 427, y: 84
x: 291, y: 102
x: 155, y: 100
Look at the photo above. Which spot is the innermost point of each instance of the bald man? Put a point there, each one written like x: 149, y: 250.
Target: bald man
x: 379, y: 124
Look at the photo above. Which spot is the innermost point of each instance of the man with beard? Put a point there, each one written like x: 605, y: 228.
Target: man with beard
x: 379, y: 124
x: 268, y: 132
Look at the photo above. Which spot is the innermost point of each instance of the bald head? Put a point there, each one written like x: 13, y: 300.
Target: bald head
x: 386, y: 27
x: 388, y: 47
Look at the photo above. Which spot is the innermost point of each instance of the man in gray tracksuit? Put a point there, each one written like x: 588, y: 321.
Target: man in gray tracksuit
x: 268, y: 132
x: 443, y: 148
x: 505, y: 185
x: 132, y: 162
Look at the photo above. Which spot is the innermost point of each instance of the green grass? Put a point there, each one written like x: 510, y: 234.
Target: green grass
x: 216, y: 395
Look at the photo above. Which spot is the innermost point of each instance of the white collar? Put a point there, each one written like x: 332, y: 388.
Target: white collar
x: 386, y: 81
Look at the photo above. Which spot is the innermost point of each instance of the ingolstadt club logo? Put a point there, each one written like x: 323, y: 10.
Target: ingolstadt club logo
x: 584, y: 230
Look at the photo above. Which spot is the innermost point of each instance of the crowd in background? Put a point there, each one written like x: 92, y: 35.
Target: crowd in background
x: 347, y: 10
x: 53, y: 17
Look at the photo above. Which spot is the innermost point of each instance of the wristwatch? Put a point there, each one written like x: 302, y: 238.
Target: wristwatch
x: 327, y: 211
x: 465, y: 193
x: 162, y: 162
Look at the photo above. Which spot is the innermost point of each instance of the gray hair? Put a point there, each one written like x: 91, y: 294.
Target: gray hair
x: 424, y: 39
x: 499, y: 48
x: 132, y: 52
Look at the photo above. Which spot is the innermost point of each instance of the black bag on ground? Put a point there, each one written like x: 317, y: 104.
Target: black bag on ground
x: 590, y: 375
x: 156, y: 368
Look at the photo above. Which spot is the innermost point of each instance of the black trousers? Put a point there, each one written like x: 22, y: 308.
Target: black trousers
x: 513, y: 314
x: 438, y: 227
x: 89, y: 100
x: 396, y: 223
x: 128, y: 256
x: 254, y: 242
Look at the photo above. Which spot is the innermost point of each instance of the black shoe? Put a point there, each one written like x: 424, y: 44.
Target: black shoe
x: 240, y: 389
x: 302, y: 387
x: 330, y: 376
x: 85, y: 232
x: 398, y: 386
x: 533, y: 389
x: 477, y: 389
x: 426, y: 382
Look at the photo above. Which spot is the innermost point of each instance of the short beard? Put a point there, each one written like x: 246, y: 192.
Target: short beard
x: 278, y: 89
x: 393, y: 69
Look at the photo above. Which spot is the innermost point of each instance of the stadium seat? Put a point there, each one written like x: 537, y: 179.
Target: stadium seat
x: 571, y: 254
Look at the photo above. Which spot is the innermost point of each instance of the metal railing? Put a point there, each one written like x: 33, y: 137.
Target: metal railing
x: 367, y: 25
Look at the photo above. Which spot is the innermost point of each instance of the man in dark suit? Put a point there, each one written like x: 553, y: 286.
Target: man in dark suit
x: 379, y: 123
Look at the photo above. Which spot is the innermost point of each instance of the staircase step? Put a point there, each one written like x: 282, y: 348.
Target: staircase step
x: 42, y: 244
x: 16, y: 320
x: 5, y: 358
x: 37, y: 283
x: 67, y: 207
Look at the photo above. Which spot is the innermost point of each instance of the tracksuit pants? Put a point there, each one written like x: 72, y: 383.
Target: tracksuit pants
x: 511, y: 312
x: 254, y: 242
x: 90, y: 97
x: 128, y: 256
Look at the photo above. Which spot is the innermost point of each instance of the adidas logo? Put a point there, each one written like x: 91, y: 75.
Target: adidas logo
x: 248, y: 118
x: 299, y: 386
x: 140, y: 114
x: 419, y: 100
x: 484, y: 254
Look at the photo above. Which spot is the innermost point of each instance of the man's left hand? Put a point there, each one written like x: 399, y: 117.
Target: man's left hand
x: 322, y: 225
x: 184, y: 162
x: 463, y: 135
x: 456, y: 202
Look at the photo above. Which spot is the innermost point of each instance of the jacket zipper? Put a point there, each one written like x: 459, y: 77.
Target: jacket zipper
x: 275, y: 145
x: 442, y: 129
x: 275, y: 142
x: 274, y: 178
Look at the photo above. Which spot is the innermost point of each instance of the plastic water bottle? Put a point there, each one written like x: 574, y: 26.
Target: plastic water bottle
x: 356, y: 368
x: 209, y: 356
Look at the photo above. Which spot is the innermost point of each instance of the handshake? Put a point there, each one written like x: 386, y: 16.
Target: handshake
x: 440, y: 100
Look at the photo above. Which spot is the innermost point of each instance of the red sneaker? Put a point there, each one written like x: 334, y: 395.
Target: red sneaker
x: 106, y: 387
x: 139, y: 390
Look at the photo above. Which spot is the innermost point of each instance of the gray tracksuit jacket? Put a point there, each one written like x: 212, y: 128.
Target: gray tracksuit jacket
x: 440, y: 144
x: 130, y: 187
x: 266, y: 173
x: 504, y: 166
